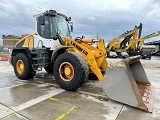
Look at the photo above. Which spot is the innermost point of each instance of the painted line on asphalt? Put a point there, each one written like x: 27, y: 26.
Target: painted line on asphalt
x: 65, y: 114
x: 10, y: 115
x: 7, y: 116
x: 57, y: 100
x: 37, y: 100
x: 5, y: 111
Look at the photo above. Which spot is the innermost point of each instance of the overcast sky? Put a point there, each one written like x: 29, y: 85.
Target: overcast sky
x: 107, y: 18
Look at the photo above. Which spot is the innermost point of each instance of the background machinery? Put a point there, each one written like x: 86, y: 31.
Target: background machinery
x: 140, y: 42
x: 135, y: 46
x: 72, y: 60
x: 132, y: 43
x: 125, y: 42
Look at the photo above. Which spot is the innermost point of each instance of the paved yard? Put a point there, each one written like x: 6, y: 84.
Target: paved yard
x: 42, y: 99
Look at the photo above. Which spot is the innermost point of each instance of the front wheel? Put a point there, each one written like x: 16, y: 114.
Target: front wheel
x: 70, y: 71
x: 22, y: 67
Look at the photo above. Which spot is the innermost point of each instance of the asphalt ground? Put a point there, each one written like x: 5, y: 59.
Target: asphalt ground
x: 42, y: 99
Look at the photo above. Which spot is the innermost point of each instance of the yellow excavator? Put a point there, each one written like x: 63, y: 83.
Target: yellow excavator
x: 132, y: 42
x: 124, y: 44
x: 129, y: 44
x: 119, y: 42
x: 72, y: 60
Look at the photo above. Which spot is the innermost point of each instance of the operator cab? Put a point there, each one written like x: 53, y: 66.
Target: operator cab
x: 51, y: 27
x: 50, y: 23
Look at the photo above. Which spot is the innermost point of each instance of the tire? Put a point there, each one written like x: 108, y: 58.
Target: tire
x: 22, y: 67
x: 78, y: 71
x: 49, y: 69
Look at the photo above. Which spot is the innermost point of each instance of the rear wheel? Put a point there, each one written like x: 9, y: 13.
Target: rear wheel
x: 22, y: 67
x: 70, y: 71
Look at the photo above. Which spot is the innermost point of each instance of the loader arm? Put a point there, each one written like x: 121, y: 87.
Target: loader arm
x: 95, y: 57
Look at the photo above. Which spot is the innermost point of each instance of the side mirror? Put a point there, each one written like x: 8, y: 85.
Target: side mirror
x: 41, y: 20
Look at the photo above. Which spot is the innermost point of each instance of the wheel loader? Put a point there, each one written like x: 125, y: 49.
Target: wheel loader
x: 71, y: 61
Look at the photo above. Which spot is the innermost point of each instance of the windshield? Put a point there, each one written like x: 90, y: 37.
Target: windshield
x: 60, y: 25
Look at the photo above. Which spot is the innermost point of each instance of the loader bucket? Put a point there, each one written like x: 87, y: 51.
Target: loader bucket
x: 126, y: 82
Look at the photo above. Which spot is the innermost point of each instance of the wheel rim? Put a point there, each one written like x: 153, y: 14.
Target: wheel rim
x: 20, y: 66
x: 66, y: 71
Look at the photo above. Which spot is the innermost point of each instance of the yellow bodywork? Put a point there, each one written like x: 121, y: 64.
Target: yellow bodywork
x: 27, y: 41
x: 95, y: 57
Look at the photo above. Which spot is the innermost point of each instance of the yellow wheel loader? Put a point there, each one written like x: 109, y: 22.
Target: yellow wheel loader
x: 72, y: 60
